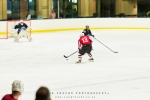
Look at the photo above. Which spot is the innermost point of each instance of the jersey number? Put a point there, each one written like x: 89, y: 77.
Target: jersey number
x: 85, y: 40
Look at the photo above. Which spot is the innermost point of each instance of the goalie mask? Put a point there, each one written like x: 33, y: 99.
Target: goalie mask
x: 21, y: 22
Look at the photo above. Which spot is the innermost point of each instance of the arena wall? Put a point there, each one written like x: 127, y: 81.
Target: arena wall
x: 53, y: 25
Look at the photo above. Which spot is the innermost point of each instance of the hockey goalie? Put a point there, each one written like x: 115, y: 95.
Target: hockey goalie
x: 22, y: 31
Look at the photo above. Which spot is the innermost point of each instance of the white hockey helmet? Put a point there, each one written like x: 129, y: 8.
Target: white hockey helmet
x: 82, y: 34
x: 17, y: 85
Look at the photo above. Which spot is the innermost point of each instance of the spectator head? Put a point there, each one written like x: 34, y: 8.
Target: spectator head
x: 17, y: 87
x: 43, y: 93
x: 40, y: 13
x: 30, y: 12
x: 52, y: 11
x: 61, y: 11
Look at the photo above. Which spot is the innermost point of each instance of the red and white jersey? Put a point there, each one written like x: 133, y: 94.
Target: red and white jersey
x: 8, y: 97
x: 84, y: 40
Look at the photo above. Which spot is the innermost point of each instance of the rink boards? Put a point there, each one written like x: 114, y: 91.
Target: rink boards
x: 53, y: 25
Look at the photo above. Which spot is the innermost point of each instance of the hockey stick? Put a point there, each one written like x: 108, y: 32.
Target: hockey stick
x: 106, y: 46
x: 70, y: 54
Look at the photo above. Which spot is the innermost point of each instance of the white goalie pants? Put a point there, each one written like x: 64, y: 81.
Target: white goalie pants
x: 21, y: 34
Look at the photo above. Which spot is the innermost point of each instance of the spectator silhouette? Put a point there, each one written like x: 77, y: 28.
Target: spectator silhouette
x: 43, y: 93
x: 17, y: 89
x: 61, y: 14
x: 53, y: 15
x: 29, y: 16
x: 40, y: 15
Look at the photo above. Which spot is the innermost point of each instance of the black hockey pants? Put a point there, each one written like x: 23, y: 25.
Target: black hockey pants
x: 86, y: 49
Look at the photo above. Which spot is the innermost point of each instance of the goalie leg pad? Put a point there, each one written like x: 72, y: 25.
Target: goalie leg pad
x: 16, y: 39
x: 28, y: 36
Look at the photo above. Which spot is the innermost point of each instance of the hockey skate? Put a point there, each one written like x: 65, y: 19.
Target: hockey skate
x: 79, y: 61
x: 91, y: 59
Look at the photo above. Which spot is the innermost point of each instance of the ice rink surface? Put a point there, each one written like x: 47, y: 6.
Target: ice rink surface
x: 114, y: 76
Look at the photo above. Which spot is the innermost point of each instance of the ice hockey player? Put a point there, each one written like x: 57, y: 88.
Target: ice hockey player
x: 88, y: 31
x: 17, y: 90
x: 84, y: 46
x: 22, y: 31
